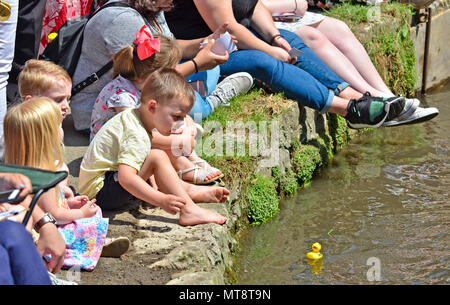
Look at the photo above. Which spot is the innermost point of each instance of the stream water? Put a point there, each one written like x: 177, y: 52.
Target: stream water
x: 381, y: 212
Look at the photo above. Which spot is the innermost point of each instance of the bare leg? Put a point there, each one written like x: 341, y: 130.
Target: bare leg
x: 203, y: 193
x: 339, y: 106
x: 158, y: 164
x: 333, y: 58
x: 350, y: 93
x: 342, y: 38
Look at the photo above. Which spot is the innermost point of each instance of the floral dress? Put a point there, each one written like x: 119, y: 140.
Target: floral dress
x: 119, y: 92
x: 84, y: 238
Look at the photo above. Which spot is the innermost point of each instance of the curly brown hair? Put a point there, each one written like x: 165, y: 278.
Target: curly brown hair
x: 150, y: 8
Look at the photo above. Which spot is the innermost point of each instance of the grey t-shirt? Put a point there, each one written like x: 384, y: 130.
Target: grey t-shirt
x: 105, y: 34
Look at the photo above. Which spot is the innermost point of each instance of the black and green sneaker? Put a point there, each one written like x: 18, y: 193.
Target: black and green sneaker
x: 369, y: 111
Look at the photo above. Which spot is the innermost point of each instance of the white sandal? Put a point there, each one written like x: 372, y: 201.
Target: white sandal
x: 201, y: 161
x: 198, y: 179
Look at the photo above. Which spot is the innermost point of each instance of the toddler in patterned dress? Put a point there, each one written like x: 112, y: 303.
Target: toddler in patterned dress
x: 32, y: 139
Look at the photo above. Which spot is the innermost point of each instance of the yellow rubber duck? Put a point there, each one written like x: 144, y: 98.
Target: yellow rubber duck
x: 315, y: 253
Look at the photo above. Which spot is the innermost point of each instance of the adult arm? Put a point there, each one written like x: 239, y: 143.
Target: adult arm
x: 50, y: 242
x: 262, y: 23
x: 203, y: 57
x: 215, y: 13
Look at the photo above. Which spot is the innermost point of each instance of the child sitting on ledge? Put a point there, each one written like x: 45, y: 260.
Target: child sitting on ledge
x: 120, y: 160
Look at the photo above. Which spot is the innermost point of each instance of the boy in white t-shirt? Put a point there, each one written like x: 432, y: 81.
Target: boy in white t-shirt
x: 120, y: 161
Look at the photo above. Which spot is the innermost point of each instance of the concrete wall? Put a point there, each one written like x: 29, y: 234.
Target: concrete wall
x: 439, y: 50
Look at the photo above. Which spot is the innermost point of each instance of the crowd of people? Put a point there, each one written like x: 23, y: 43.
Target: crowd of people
x: 143, y: 116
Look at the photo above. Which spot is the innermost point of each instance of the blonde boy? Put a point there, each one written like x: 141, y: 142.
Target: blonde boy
x: 45, y: 78
x: 119, y: 161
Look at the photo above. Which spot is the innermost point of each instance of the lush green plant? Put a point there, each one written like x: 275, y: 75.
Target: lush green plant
x: 305, y: 162
x: 262, y: 199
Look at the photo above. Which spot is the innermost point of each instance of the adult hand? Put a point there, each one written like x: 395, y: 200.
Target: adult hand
x: 207, y: 60
x: 302, y: 7
x: 51, y: 242
x: 220, y: 31
x: 282, y: 43
x: 172, y: 204
x: 10, y: 181
x: 280, y: 54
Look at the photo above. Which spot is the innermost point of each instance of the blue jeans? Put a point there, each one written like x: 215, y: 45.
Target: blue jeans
x: 20, y: 263
x: 310, y: 82
x: 202, y: 108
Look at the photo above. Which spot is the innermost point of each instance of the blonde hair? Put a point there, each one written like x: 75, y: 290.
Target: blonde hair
x: 37, y: 77
x: 166, y: 84
x: 31, y: 131
x: 128, y: 65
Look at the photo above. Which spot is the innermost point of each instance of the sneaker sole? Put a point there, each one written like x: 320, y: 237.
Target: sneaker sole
x: 116, y: 248
x: 425, y: 115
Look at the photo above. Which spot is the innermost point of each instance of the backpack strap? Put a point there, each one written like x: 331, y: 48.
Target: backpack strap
x: 94, y: 77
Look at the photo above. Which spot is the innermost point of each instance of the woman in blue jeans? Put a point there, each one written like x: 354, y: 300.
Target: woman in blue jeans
x: 263, y: 52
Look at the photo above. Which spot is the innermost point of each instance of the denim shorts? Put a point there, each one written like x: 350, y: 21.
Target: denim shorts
x: 112, y: 196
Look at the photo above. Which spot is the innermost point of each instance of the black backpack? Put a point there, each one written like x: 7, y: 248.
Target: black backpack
x: 65, y: 49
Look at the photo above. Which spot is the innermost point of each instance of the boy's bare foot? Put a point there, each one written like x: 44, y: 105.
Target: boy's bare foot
x: 193, y: 215
x: 214, y: 194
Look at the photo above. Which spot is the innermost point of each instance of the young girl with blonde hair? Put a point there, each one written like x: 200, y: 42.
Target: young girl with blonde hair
x: 32, y: 139
x: 131, y: 67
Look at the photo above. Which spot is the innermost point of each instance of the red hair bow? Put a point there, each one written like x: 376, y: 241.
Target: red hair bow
x: 146, y: 44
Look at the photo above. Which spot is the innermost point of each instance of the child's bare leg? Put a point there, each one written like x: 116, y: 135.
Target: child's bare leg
x: 158, y: 164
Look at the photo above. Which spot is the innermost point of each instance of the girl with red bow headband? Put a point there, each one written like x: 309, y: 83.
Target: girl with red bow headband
x: 132, y: 65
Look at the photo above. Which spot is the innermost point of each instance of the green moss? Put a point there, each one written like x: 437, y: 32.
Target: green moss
x: 262, y: 199
x: 338, y: 129
x: 287, y: 182
x: 325, y: 146
x: 305, y: 162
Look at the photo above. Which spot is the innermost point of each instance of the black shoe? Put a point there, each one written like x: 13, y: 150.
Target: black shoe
x: 396, y: 106
x: 369, y: 111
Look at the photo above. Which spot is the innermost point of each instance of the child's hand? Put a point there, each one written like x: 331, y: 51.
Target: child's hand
x: 78, y: 201
x: 183, y: 145
x: 172, y: 204
x: 89, y: 209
